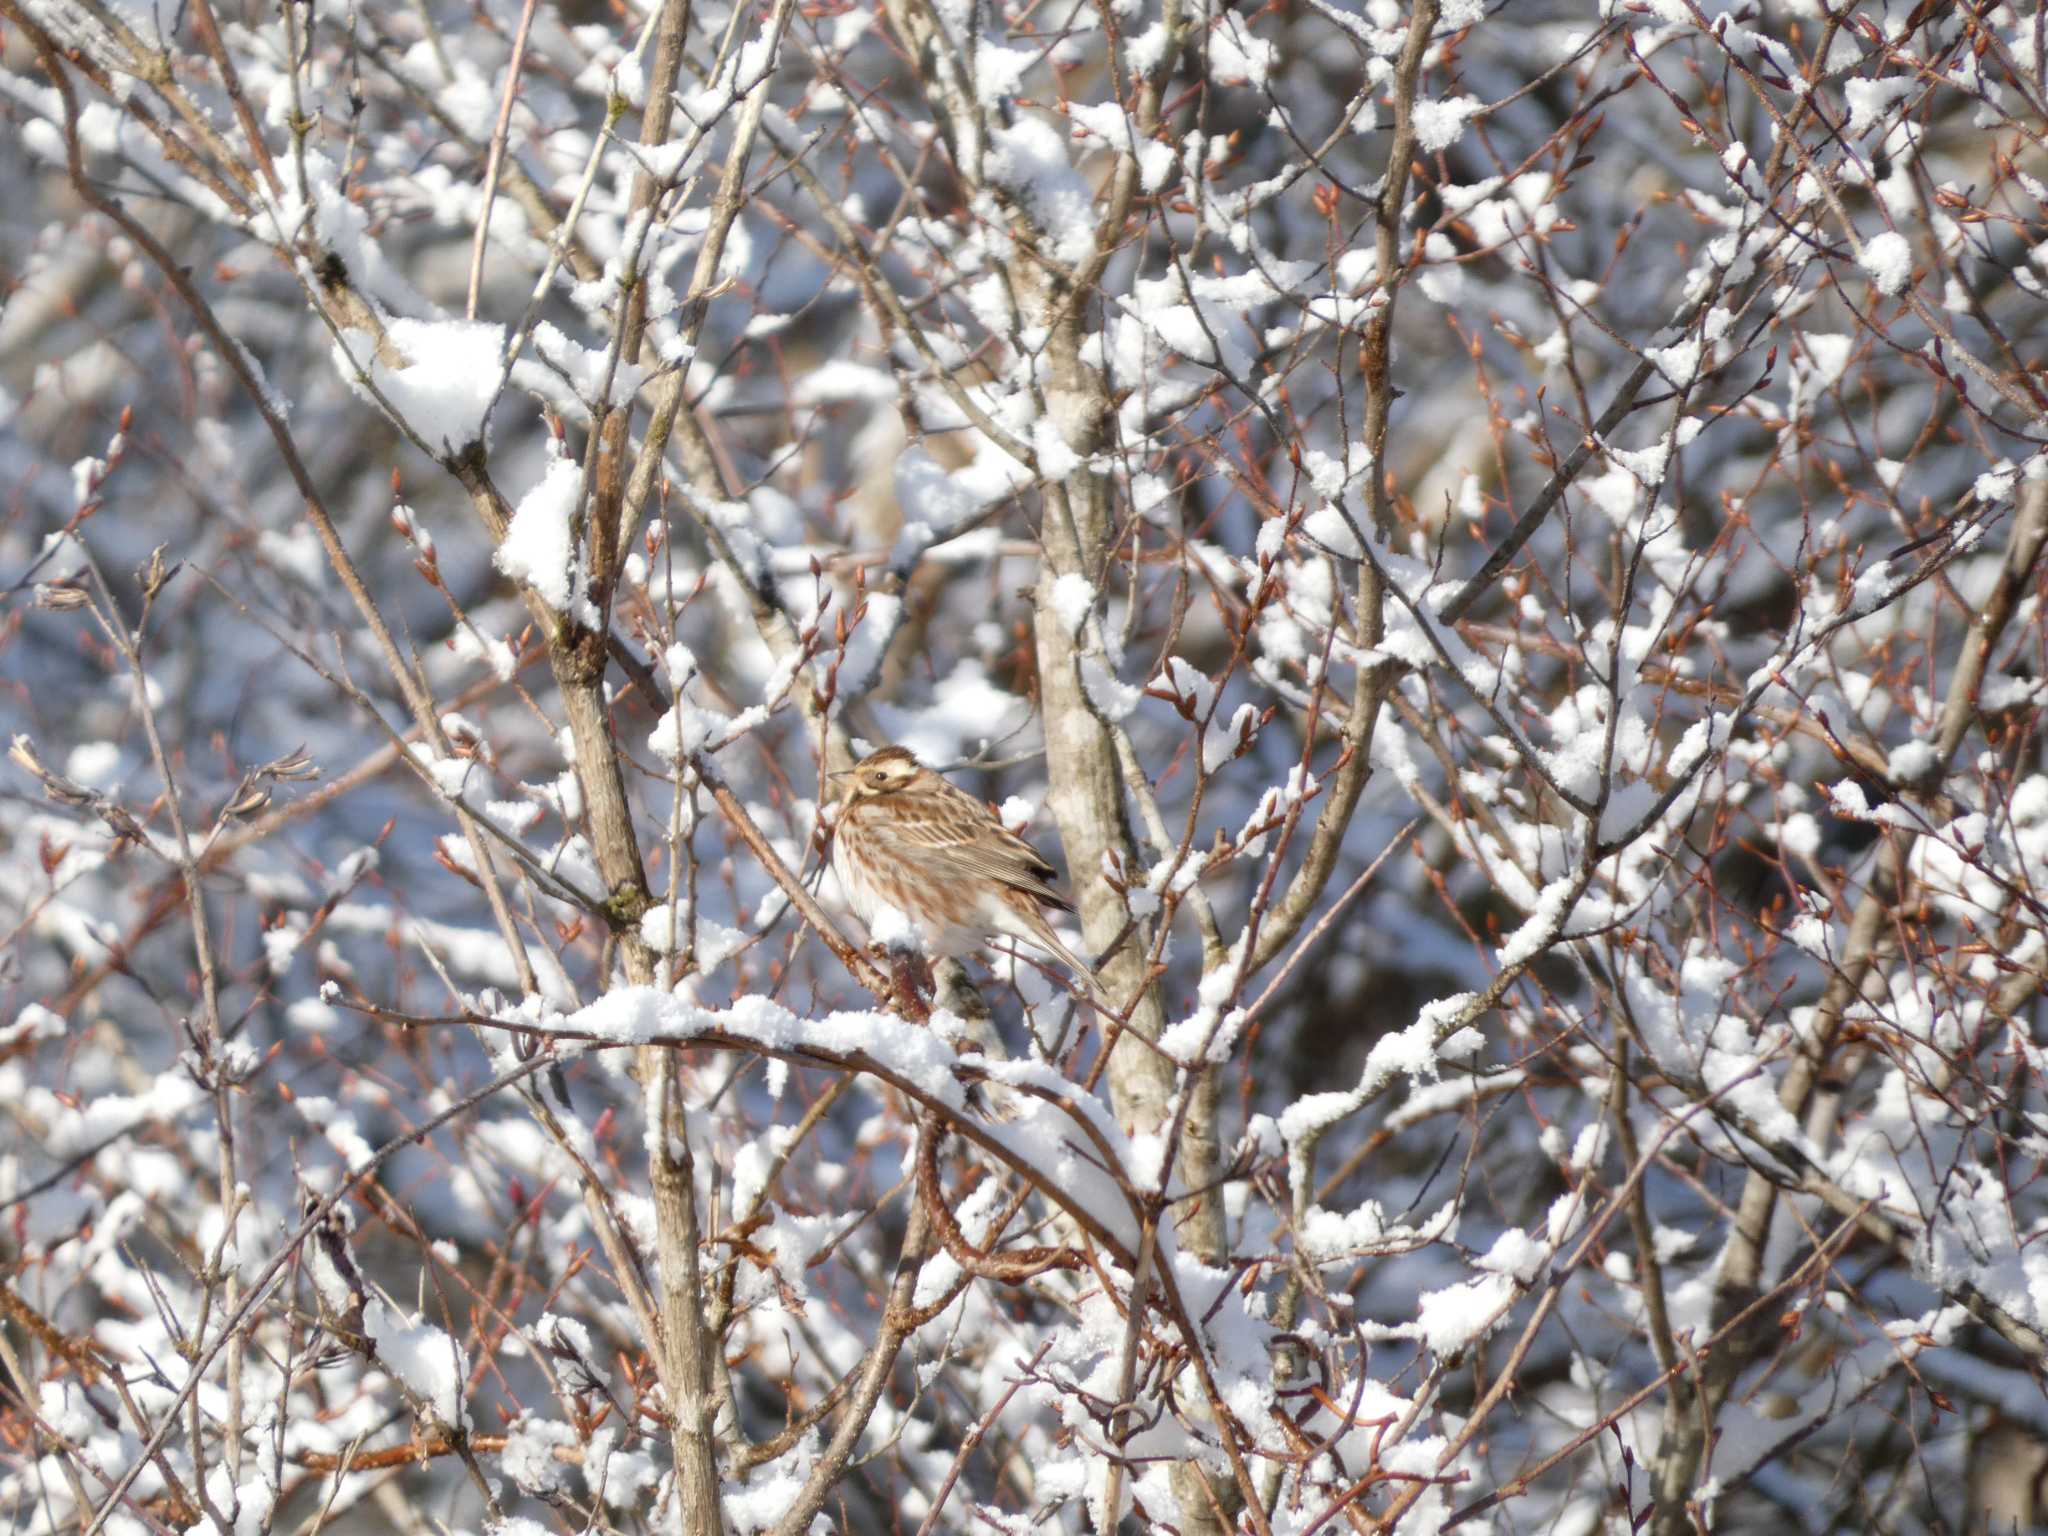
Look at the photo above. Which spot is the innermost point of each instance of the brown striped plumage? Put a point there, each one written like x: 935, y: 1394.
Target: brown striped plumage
x: 909, y: 841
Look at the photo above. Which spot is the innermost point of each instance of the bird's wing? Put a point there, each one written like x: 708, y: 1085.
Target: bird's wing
x: 965, y: 841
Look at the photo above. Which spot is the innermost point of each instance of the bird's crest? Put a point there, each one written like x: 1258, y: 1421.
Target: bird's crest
x: 888, y: 755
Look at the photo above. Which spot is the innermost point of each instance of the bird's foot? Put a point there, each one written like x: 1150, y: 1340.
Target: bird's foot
x: 910, y: 975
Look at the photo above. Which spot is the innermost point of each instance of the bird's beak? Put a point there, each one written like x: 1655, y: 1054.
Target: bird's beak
x: 835, y: 777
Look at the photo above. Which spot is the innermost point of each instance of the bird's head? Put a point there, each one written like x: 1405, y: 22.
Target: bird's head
x: 887, y: 772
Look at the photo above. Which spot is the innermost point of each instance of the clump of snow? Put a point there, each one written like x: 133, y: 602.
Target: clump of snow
x: 1073, y: 598
x: 584, y: 370
x: 1679, y: 362
x: 1517, y: 1254
x: 539, y: 547
x: 529, y: 1455
x: 430, y: 1363
x: 664, y: 929
x: 1235, y: 54
x: 338, y: 1127
x: 1113, y: 698
x: 1910, y: 762
x: 35, y: 1022
x: 1334, y: 531
x: 1888, y: 258
x: 1030, y: 158
x: 1849, y: 800
x: 445, y: 388
x: 843, y: 381
x: 1830, y: 355
x: 937, y: 501
x: 1451, y: 1318
x: 1869, y: 100
x: 1799, y: 835
x: 1440, y: 124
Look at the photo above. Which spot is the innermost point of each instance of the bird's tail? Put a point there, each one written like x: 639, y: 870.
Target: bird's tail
x: 1084, y: 973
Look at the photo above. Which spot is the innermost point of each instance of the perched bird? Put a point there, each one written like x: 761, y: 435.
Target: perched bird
x: 908, y: 840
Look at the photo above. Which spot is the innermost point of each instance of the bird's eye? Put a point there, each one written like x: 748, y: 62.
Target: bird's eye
x: 878, y: 778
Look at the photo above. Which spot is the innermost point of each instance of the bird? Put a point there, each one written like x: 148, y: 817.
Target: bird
x: 909, y: 841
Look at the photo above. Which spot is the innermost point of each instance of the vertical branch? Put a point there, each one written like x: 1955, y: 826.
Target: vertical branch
x: 1086, y: 801
x: 685, y: 1340
x: 495, y: 163
x: 899, y: 1321
x: 579, y: 657
x: 223, y: 1268
x: 1369, y: 688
